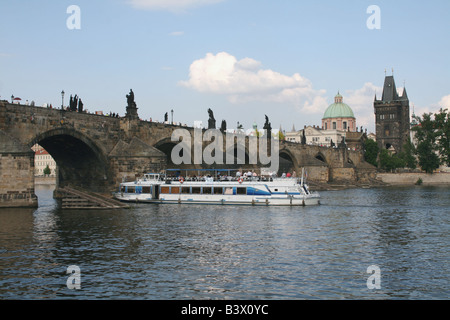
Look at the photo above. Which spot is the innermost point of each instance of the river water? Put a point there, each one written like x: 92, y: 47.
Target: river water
x: 178, y: 252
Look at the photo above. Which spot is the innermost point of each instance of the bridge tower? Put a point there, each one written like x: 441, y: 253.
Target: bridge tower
x: 392, y: 117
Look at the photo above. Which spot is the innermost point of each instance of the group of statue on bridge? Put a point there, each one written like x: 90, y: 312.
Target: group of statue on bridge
x: 75, y: 104
x: 212, y: 121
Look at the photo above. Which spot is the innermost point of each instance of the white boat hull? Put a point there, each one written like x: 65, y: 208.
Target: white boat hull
x: 275, y: 200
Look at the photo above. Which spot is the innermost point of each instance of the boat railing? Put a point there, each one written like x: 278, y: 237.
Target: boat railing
x: 217, y: 179
x: 229, y: 179
x: 163, y: 178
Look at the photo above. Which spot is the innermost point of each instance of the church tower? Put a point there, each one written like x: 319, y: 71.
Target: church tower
x: 392, y: 118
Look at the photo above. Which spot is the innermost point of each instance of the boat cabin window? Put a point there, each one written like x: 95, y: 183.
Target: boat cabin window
x: 146, y: 190
x: 165, y: 190
x: 131, y: 190
x: 186, y: 190
x: 207, y: 190
x: 175, y: 190
x: 196, y: 190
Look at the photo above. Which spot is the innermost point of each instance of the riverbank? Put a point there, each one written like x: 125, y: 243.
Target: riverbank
x: 386, y: 180
x: 408, y: 179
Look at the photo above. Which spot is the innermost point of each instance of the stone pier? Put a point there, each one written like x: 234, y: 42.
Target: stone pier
x: 16, y: 174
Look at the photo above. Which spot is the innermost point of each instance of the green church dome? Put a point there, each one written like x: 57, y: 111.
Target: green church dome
x: 338, y: 109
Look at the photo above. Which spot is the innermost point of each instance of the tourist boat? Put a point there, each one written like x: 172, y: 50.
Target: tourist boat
x: 226, y: 190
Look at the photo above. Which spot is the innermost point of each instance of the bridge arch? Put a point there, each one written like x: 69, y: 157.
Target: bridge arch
x: 80, y: 161
x: 320, y: 156
x: 166, y: 145
x: 287, y: 162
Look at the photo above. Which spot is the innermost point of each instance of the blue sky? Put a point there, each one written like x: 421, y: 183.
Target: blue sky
x: 242, y: 59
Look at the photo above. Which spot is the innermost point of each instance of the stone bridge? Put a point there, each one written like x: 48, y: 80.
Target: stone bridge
x: 96, y: 152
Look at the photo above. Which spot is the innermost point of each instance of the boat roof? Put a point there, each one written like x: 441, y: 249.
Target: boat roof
x: 275, y: 182
x: 221, y: 170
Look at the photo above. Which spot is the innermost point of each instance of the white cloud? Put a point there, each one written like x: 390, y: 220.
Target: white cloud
x: 445, y: 102
x: 359, y: 99
x: 170, y: 5
x: 245, y: 80
x: 361, y: 102
x: 318, y: 105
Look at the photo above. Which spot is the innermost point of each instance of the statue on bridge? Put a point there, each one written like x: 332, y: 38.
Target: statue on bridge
x: 342, y: 144
x: 74, y: 103
x: 268, y: 127
x: 211, y: 120
x: 130, y: 99
x: 223, y: 127
x: 303, y: 137
x: 131, y: 107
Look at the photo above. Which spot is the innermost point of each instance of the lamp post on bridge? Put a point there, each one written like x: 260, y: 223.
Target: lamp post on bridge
x: 172, y: 115
x: 62, y: 96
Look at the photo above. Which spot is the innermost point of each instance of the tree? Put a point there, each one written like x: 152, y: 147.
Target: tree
x: 281, y: 136
x: 371, y: 151
x: 426, y: 135
x: 47, y: 171
x: 390, y: 162
x: 407, y: 155
x: 442, y: 126
x: 428, y: 159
